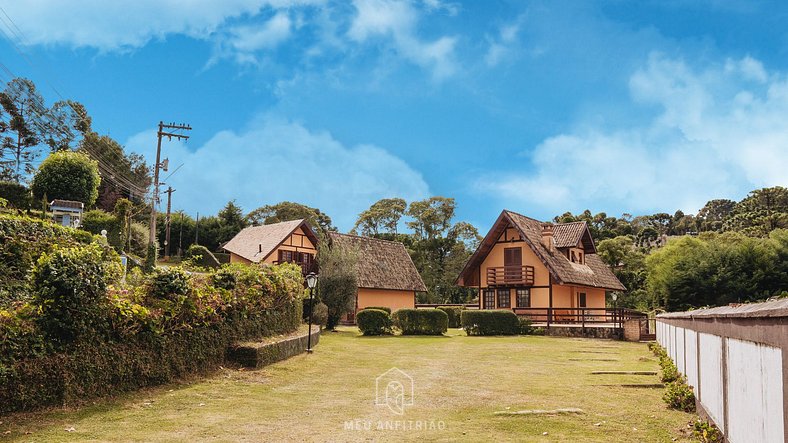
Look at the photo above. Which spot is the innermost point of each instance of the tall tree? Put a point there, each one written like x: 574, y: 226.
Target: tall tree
x: 383, y: 216
x: 338, y: 280
x: 761, y: 212
x: 68, y: 176
x: 712, y: 216
x: 232, y: 221
x: 125, y: 175
x: 431, y: 217
x: 22, y: 107
x: 68, y: 123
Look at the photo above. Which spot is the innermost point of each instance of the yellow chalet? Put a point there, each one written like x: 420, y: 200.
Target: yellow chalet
x: 285, y: 242
x: 548, y: 272
x: 386, y: 275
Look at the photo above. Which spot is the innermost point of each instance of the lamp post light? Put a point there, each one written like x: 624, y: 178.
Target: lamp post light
x: 311, y: 282
x: 614, y: 297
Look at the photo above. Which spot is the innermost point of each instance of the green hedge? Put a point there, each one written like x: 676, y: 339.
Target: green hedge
x: 382, y: 308
x: 490, y: 322
x: 201, y: 256
x: 421, y: 321
x: 374, y: 322
x: 454, y: 314
x: 18, y: 196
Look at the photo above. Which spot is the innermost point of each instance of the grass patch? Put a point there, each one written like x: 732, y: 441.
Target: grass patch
x: 460, y: 381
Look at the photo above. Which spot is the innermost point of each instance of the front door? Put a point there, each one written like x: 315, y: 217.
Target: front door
x: 512, y: 264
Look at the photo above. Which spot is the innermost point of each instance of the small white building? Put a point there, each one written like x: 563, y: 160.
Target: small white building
x: 67, y: 212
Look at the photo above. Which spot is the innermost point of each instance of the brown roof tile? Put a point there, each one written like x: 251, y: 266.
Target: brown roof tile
x: 255, y: 243
x: 382, y: 264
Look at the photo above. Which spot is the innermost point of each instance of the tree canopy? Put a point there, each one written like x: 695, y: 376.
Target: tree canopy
x: 68, y: 176
x: 286, y: 211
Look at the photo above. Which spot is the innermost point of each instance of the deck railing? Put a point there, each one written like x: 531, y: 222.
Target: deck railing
x: 510, y: 275
x: 580, y: 316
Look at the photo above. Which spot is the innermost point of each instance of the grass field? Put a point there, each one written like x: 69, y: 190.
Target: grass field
x: 459, y: 384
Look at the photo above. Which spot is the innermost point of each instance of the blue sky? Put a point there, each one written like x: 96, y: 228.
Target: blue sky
x: 538, y: 107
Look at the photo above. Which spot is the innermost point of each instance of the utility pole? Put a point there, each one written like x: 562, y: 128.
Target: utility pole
x: 169, y: 192
x: 180, y: 238
x: 162, y: 165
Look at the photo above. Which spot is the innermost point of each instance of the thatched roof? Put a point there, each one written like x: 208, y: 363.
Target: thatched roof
x: 593, y: 273
x: 255, y: 243
x: 382, y: 264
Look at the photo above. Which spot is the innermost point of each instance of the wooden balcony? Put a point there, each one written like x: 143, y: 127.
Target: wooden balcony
x: 510, y: 276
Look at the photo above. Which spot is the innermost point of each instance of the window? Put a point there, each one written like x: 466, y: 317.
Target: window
x: 304, y: 257
x: 581, y: 299
x: 286, y: 256
x: 580, y: 257
x: 523, y: 298
x: 489, y: 299
x: 574, y: 257
x: 503, y: 298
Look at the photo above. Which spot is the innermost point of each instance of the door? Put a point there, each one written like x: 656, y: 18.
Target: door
x: 512, y: 265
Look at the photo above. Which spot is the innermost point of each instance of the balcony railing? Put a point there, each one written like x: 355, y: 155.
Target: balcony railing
x: 510, y: 275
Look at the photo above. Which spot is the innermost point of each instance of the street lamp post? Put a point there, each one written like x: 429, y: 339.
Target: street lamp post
x: 614, y: 296
x: 311, y: 282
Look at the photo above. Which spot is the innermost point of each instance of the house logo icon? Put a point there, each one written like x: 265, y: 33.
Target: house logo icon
x: 394, y: 388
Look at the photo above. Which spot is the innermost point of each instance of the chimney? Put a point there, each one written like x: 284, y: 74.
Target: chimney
x: 547, y: 236
x: 260, y: 248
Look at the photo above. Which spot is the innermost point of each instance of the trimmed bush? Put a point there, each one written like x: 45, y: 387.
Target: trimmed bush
x: 169, y: 283
x: 490, y: 322
x: 17, y: 196
x: 525, y: 326
x: 678, y: 395
x: 382, y: 308
x: 200, y: 256
x: 454, y: 314
x: 421, y: 321
x: 67, y: 175
x: 669, y: 371
x: 374, y: 322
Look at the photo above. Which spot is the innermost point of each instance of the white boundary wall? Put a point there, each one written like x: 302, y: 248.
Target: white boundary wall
x: 736, y: 360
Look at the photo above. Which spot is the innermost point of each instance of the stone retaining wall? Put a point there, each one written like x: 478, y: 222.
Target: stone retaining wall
x: 257, y: 355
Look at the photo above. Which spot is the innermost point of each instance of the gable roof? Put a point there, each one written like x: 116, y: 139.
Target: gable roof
x: 593, y: 273
x: 67, y: 204
x: 569, y: 235
x: 382, y: 264
x: 255, y: 243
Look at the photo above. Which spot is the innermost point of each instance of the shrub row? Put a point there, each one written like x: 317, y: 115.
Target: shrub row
x: 421, y: 321
x: 81, y: 335
x: 453, y: 312
x: 490, y: 322
x: 678, y: 394
x: 372, y: 321
x: 17, y: 196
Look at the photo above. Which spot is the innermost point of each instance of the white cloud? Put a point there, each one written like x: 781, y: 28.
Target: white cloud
x: 717, y: 131
x: 397, y: 20
x: 251, y: 38
x: 275, y: 160
x: 112, y: 25
x: 503, y: 44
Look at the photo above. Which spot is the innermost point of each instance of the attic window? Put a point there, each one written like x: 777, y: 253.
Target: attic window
x: 574, y: 257
x: 580, y: 258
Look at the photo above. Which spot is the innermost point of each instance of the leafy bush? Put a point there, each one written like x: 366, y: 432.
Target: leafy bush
x: 525, y: 326
x: 225, y: 278
x: 140, y: 237
x: 678, y: 395
x: 67, y: 175
x: 669, y: 371
x: 19, y: 335
x: 454, y: 315
x: 150, y: 258
x: 69, y: 288
x: 706, y: 432
x: 421, y: 321
x: 16, y: 195
x: 169, y: 283
x: 382, y: 308
x: 374, y: 322
x: 490, y: 322
x: 320, y: 314
x: 200, y: 256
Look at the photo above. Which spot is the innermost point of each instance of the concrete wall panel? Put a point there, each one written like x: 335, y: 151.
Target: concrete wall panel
x: 710, y: 380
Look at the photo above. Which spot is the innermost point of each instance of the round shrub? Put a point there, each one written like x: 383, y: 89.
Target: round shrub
x: 382, y: 308
x: 421, y: 321
x: 454, y: 314
x: 200, y: 256
x: 678, y: 395
x: 490, y: 322
x: 169, y: 283
x: 67, y: 175
x: 374, y: 322
x: 70, y: 289
x: 320, y: 314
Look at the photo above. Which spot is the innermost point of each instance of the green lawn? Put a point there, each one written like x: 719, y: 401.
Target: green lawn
x: 459, y: 383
